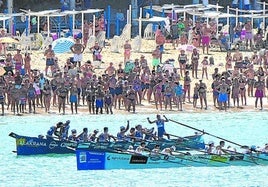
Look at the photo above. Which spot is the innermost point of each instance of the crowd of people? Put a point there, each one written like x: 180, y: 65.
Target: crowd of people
x: 164, y: 83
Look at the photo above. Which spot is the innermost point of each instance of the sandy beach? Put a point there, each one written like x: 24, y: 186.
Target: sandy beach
x: 38, y: 62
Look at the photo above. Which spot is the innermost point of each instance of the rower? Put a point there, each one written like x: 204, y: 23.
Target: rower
x: 160, y: 123
x: 65, y: 129
x: 54, y: 130
x: 219, y: 149
x: 140, y: 149
x: 105, y: 136
x: 93, y: 136
x: 121, y: 135
x: 130, y: 149
x: 210, y: 148
x: 168, y: 150
x: 84, y: 135
x: 131, y: 134
x: 155, y: 150
x: 265, y: 149
x: 73, y: 136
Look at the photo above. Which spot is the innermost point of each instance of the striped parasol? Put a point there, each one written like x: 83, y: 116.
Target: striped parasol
x: 62, y: 45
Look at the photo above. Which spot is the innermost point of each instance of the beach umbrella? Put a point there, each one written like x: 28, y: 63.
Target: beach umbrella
x: 62, y: 45
x: 2, y: 71
x: 8, y: 40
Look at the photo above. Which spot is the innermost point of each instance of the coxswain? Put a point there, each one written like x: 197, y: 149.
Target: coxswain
x: 160, y: 123
x: 105, y: 136
x: 121, y: 135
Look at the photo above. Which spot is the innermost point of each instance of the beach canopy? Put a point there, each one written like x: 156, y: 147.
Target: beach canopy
x: 156, y: 19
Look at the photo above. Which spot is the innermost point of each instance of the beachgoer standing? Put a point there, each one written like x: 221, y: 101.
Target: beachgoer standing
x: 50, y: 55
x: 78, y: 50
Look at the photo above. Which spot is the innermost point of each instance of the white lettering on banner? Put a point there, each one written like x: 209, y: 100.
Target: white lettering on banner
x: 52, y: 145
x: 33, y: 143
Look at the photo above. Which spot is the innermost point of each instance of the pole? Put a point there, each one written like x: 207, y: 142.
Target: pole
x: 228, y: 19
x: 10, y: 11
x: 140, y: 23
x: 73, y: 22
x: 94, y: 23
x: 263, y: 19
x: 130, y: 18
x: 117, y: 26
x: 48, y: 26
x: 236, y: 16
x: 38, y: 24
x: 108, y: 21
x: 82, y: 24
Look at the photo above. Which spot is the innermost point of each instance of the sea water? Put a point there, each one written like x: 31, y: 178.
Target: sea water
x: 247, y: 128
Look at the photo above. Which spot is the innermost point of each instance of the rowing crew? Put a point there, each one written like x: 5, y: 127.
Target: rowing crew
x: 142, y: 149
x: 219, y: 150
x: 137, y: 133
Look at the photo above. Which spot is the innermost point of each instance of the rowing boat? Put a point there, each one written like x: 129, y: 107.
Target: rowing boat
x: 94, y: 160
x: 182, y: 143
x: 26, y: 145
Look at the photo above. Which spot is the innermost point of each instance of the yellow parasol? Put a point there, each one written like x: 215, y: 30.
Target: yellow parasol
x: 2, y: 71
x: 8, y: 40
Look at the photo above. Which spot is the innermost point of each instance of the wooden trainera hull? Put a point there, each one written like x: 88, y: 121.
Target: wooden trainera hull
x: 26, y: 145
x: 93, y: 160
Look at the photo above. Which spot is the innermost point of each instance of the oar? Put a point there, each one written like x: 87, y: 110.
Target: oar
x: 245, y: 154
x: 204, y: 132
x: 167, y: 160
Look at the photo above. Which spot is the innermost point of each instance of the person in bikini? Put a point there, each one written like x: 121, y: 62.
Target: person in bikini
x: 127, y: 51
x: 259, y: 92
x: 195, y: 59
x: 62, y: 93
x: 242, y: 86
x: 157, y: 91
x: 96, y: 52
x: 187, y: 87
x: 182, y: 58
x: 202, y: 91
x: 249, y: 35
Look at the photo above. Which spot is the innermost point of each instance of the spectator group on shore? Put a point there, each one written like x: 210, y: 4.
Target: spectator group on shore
x: 127, y: 85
